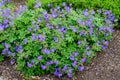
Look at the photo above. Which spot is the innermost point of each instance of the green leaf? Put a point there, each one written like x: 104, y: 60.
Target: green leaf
x: 1, y: 57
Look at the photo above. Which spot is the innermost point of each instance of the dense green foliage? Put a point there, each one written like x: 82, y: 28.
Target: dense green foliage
x: 30, y: 3
x: 112, y: 5
x: 58, y: 41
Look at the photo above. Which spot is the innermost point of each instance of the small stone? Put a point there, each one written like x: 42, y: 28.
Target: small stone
x: 1, y: 77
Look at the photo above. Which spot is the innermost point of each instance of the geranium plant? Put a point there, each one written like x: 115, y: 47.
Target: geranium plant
x: 58, y: 41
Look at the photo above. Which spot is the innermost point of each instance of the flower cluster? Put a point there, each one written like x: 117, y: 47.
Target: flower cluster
x: 57, y: 41
x: 7, y: 15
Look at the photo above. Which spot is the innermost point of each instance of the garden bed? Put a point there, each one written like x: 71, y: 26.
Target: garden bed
x: 106, y: 66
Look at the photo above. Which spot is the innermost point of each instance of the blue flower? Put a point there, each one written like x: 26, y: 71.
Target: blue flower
x: 13, y: 54
x: 71, y: 57
x: 1, y: 4
x: 53, y: 50
x: 79, y: 42
x: 64, y: 31
x: 41, y: 39
x: 38, y: 5
x: 49, y: 62
x: 62, y: 35
x: 49, y: 5
x: 88, y: 22
x: 29, y: 29
x: 70, y: 70
x: 60, y: 29
x: 5, y: 21
x: 91, y: 31
x: 69, y: 75
x: 108, y: 21
x: 55, y: 73
x: 36, y: 27
x: 9, y: 53
x: 82, y: 33
x: 63, y: 15
x: 67, y: 8
x: 83, y: 60
x: 63, y: 4
x: 54, y: 10
x: 92, y: 12
x: 43, y: 67
x: 58, y: 7
x: 39, y: 20
x: 5, y: 51
x: 46, y: 51
x: 106, y: 34
x: 100, y: 10
x: 88, y: 53
x: 33, y: 23
x: 29, y: 65
x: 81, y: 68
x: 56, y: 62
x: 12, y: 62
x: 54, y: 15
x: 105, y: 42
x: 32, y: 61
x: 74, y: 63
x: 51, y: 27
x: 103, y: 47
x: 55, y: 39
x: 46, y: 16
x: 2, y: 27
x: 104, y: 28
x: 33, y: 37
x: 107, y: 12
x: 75, y: 53
x: 25, y: 41
x: 112, y: 17
x: 11, y: 23
x: 85, y: 12
x: 6, y: 45
x: 58, y: 69
x: 59, y: 75
x: 40, y: 57
x: 19, y: 48
x: 65, y: 67
x: 87, y: 48
x: 74, y: 30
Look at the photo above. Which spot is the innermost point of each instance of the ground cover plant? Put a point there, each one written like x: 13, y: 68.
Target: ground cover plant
x: 58, y: 41
x: 91, y: 4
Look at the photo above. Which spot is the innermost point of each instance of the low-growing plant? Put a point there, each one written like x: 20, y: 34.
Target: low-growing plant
x: 90, y: 4
x: 58, y: 41
x: 30, y: 4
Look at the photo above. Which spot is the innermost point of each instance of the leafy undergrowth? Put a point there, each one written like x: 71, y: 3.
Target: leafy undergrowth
x: 112, y: 5
x: 57, y: 41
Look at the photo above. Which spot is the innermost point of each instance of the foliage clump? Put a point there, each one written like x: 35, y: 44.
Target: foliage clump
x: 112, y: 5
x: 57, y: 41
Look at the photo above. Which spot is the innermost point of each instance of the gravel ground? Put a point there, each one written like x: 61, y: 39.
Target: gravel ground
x: 106, y: 66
